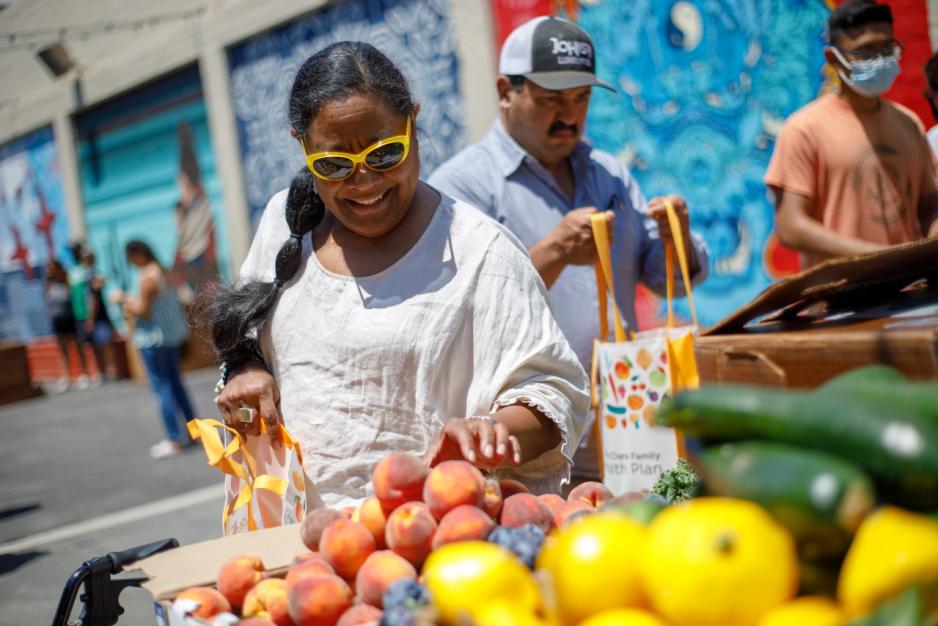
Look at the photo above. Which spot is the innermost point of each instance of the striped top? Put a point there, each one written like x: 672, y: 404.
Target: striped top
x: 166, y: 325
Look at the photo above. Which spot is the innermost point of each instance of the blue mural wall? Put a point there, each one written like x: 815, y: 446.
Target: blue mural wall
x: 33, y: 229
x: 416, y: 34
x: 134, y: 152
x: 703, y: 86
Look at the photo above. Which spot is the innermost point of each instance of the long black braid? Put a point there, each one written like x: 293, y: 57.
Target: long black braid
x: 333, y: 74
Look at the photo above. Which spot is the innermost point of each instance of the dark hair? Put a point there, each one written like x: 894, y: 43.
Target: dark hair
x: 137, y: 247
x: 334, y: 73
x: 517, y: 82
x: 854, y: 14
x: 931, y: 72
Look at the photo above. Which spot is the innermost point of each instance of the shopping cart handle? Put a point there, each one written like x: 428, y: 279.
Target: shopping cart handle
x: 131, y: 555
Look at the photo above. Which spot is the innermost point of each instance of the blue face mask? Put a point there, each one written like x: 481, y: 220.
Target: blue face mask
x: 870, y: 78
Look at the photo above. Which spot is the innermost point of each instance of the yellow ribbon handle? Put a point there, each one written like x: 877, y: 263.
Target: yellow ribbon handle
x: 221, y: 456
x: 672, y: 245
x: 604, y: 278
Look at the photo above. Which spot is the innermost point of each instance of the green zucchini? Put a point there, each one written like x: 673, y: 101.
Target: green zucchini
x: 819, y: 497
x: 897, y: 448
x: 861, y: 376
x: 920, y: 398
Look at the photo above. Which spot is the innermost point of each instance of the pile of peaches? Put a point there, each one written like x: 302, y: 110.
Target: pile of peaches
x: 357, y: 554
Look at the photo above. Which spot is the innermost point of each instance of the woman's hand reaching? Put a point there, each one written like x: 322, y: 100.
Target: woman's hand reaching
x: 250, y: 387
x: 482, y: 441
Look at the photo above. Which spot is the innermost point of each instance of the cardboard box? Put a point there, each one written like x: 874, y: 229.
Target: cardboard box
x: 842, y: 314
x: 197, y: 565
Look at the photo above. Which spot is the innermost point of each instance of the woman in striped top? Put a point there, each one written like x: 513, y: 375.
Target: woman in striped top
x: 159, y: 334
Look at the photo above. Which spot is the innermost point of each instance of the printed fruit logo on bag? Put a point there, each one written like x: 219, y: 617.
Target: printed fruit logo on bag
x: 631, y: 391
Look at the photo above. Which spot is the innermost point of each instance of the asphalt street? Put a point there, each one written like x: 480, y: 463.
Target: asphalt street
x: 77, y: 481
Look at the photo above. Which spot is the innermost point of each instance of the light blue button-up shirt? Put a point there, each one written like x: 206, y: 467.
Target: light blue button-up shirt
x: 499, y: 177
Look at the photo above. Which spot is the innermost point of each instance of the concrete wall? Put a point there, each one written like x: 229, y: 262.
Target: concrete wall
x: 206, y: 41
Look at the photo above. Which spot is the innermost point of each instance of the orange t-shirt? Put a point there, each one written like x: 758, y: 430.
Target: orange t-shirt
x: 865, y: 171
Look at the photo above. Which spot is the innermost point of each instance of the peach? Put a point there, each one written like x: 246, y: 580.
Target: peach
x: 319, y: 600
x: 410, y: 531
x: 492, y: 498
x: 307, y: 556
x: 255, y: 621
x: 380, y: 570
x: 510, y: 487
x: 552, y: 501
x: 309, y: 566
x: 268, y: 599
x: 525, y: 508
x: 359, y: 615
x: 348, y: 511
x: 314, y: 523
x: 593, y: 493
x: 238, y: 576
x: 464, y: 523
x: 211, y: 601
x: 345, y: 545
x: 569, y: 510
x: 372, y: 516
x: 398, y: 478
x: 450, y: 484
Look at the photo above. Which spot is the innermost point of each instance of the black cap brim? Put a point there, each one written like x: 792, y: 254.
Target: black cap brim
x: 555, y: 81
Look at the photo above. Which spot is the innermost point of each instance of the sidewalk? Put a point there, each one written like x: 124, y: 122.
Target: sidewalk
x: 78, y: 482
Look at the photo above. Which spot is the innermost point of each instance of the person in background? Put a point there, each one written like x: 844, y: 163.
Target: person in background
x: 931, y: 95
x: 64, y: 325
x: 99, y: 331
x: 535, y: 175
x: 852, y: 171
x: 159, y: 332
x: 79, y: 288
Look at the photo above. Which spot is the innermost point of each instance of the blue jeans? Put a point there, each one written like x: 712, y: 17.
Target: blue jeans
x: 166, y: 381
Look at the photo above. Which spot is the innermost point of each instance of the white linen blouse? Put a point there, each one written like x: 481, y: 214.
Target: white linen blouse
x: 459, y: 326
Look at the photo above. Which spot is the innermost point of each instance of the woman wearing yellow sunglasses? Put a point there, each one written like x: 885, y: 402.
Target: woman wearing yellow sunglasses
x: 375, y: 314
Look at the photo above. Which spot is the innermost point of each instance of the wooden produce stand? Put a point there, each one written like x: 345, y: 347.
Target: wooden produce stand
x: 841, y: 314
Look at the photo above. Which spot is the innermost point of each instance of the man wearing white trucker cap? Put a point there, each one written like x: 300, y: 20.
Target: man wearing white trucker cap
x: 532, y: 173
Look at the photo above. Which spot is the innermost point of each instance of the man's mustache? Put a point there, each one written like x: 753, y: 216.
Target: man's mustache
x: 560, y: 126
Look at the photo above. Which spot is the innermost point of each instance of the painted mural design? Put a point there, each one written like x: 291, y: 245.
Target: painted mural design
x: 148, y: 172
x: 33, y: 230
x: 415, y: 34
x: 703, y: 87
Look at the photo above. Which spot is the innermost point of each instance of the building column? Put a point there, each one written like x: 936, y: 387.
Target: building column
x: 64, y: 135
x: 213, y: 67
x: 478, y: 67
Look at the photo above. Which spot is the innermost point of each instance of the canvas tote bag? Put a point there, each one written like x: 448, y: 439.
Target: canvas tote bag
x: 633, y: 374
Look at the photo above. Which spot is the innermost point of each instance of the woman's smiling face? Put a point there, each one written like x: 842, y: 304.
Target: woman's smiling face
x: 368, y: 203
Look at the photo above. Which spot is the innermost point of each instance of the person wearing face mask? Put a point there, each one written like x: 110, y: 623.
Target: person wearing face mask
x: 533, y: 173
x: 852, y: 171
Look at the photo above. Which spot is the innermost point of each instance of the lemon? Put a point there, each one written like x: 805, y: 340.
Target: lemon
x: 717, y: 562
x: 591, y: 567
x: 466, y: 575
x: 623, y: 617
x: 806, y: 611
x: 892, y: 550
x: 504, y: 613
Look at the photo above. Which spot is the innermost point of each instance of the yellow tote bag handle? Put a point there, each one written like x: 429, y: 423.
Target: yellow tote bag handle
x: 676, y: 244
x: 604, y: 278
x: 682, y: 362
x: 220, y: 456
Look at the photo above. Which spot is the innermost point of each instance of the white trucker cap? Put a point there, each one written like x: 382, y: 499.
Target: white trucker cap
x: 552, y: 53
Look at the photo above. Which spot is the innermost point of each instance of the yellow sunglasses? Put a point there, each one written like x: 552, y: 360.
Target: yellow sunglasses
x: 382, y: 156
